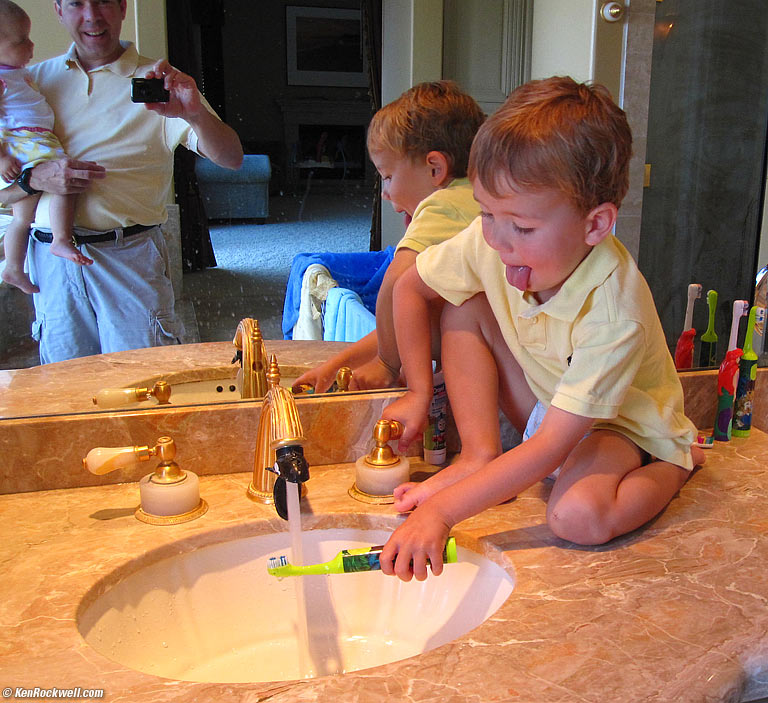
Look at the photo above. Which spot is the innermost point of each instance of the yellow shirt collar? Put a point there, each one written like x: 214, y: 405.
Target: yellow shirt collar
x: 588, y: 275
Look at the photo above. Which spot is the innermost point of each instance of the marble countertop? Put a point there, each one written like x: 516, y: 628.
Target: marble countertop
x: 69, y: 386
x: 675, y: 611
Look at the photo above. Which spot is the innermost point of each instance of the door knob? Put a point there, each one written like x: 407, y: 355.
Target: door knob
x: 612, y: 11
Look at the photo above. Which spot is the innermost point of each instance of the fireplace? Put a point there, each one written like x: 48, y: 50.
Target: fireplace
x: 326, y: 138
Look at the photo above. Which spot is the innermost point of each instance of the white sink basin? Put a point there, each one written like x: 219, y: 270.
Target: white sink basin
x: 216, y: 615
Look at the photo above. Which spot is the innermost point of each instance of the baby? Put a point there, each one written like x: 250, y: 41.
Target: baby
x: 26, y: 139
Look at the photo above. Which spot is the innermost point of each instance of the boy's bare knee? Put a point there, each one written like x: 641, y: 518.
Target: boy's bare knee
x: 580, y: 522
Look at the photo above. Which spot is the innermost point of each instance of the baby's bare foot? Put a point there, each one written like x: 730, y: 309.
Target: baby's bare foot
x: 17, y: 277
x: 66, y: 250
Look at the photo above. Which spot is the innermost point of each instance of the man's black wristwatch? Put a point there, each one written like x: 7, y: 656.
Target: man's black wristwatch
x: 23, y: 181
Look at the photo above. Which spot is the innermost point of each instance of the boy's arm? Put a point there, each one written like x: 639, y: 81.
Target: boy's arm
x: 382, y: 368
x: 385, y: 314
x: 422, y: 536
x: 356, y: 354
x: 412, y: 299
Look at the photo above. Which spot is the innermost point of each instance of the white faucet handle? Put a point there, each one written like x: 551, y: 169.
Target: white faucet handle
x: 102, y: 460
x: 115, y: 397
x: 118, y: 397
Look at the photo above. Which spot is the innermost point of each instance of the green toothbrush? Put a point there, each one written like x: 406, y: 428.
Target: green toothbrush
x: 346, y: 561
x: 708, y: 351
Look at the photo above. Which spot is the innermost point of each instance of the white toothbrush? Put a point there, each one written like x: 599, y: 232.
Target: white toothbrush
x: 740, y: 309
x: 694, y: 292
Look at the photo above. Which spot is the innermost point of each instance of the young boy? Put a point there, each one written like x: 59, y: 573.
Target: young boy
x: 547, y: 315
x: 420, y: 146
x: 26, y: 139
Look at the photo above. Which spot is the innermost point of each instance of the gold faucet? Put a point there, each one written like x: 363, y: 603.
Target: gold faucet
x: 253, y: 354
x: 279, y: 441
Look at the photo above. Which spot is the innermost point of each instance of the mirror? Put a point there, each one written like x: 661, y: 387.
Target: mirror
x: 702, y: 211
x: 256, y: 107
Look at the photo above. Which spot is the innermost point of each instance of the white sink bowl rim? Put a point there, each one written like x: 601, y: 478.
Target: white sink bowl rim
x: 214, y: 614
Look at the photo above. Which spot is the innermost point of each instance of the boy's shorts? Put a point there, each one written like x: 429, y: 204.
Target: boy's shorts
x: 534, y: 420
x: 32, y: 146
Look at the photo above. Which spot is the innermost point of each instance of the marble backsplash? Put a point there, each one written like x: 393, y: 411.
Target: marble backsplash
x: 46, y: 451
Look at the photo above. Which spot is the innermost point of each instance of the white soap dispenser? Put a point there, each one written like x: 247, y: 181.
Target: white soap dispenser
x: 169, y: 495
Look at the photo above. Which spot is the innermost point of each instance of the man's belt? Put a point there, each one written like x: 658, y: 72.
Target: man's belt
x: 47, y: 237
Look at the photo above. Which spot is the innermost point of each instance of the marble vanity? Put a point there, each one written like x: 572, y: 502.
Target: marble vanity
x: 675, y: 611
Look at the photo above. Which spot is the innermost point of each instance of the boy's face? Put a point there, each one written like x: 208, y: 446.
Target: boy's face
x: 539, y: 235
x: 16, y: 47
x: 404, y: 182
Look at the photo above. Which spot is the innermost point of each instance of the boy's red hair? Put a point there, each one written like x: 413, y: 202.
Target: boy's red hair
x: 433, y: 116
x: 556, y: 133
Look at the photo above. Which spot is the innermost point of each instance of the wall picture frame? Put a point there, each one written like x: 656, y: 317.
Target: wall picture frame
x: 325, y: 47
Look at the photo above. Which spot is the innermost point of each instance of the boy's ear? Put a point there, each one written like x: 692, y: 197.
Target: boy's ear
x: 600, y: 222
x: 439, y: 167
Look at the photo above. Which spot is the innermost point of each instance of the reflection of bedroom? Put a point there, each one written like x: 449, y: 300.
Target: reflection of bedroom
x: 265, y: 68
x: 305, y: 105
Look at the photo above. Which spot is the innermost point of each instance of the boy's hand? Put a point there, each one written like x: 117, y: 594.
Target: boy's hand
x: 10, y: 168
x: 411, y: 411
x: 409, y: 496
x: 420, y: 539
x: 372, y: 375
x: 320, y: 378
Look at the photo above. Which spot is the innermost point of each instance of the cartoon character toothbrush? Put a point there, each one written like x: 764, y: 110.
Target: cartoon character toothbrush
x: 708, y: 351
x: 728, y: 377
x: 347, y: 561
x: 726, y: 391
x: 684, y: 346
x: 745, y: 390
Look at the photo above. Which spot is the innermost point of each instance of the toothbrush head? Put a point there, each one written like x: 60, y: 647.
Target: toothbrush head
x: 740, y: 308
x: 694, y: 291
x: 277, y: 565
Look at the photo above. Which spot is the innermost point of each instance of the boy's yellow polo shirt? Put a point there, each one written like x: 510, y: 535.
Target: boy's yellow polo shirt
x: 595, y: 349
x: 441, y: 215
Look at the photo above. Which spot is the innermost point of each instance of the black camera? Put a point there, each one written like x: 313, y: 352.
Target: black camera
x: 149, y: 90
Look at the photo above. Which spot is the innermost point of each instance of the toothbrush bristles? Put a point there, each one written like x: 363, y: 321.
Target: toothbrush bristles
x: 277, y: 562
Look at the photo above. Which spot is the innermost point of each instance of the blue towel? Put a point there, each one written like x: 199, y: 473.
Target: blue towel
x: 361, y: 272
x: 345, y: 318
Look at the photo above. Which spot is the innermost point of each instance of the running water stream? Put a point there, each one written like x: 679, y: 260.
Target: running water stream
x: 293, y: 491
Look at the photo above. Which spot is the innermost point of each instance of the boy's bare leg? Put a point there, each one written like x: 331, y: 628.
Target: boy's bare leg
x: 62, y: 211
x: 480, y: 374
x: 604, y: 490
x: 15, y: 244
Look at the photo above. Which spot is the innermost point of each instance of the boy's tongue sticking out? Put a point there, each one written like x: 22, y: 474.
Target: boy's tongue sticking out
x: 519, y: 276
